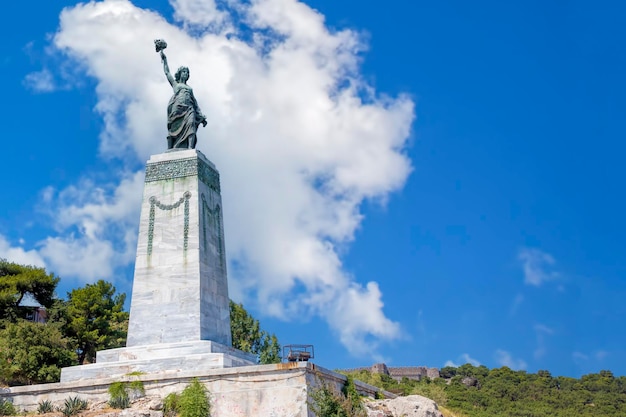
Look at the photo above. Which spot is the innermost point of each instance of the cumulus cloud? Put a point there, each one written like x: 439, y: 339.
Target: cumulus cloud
x: 97, y: 225
x: 462, y: 360
x: 504, y: 358
x: 538, y: 266
x: 203, y: 13
x: 300, y: 139
x: 19, y: 255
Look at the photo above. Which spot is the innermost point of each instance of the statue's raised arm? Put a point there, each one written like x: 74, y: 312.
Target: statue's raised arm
x: 183, y: 114
x: 166, y: 69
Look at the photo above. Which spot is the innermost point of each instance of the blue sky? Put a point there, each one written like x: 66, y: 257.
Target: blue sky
x: 442, y: 182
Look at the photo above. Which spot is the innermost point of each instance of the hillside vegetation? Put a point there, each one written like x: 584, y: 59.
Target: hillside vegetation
x: 480, y: 392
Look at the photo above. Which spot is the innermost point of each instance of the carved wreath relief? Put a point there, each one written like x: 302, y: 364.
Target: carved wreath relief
x: 156, y: 203
x: 211, y: 212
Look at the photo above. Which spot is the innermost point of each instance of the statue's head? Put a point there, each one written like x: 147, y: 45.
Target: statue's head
x: 179, y: 72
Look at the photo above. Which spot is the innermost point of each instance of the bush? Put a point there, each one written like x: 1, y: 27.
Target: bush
x: 136, y: 390
x: 194, y: 401
x: 122, y: 393
x: 353, y: 399
x: 326, y: 402
x: 170, y: 405
x: 329, y: 403
x: 7, y: 408
x: 118, y: 395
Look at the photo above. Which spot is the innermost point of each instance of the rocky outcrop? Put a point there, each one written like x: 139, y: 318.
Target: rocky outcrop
x: 409, y: 406
x: 470, y: 381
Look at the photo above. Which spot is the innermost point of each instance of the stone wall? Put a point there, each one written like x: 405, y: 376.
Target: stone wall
x: 262, y: 390
x: 399, y: 372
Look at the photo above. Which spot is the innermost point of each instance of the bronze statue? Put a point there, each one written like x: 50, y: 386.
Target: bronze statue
x: 183, y: 114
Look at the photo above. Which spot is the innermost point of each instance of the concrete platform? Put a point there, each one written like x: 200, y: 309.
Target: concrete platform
x: 279, y: 390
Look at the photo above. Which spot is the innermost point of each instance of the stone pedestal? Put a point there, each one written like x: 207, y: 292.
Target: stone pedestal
x: 171, y: 358
x: 179, y: 313
x: 180, y: 291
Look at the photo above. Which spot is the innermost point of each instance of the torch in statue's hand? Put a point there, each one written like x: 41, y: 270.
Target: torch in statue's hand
x: 159, y: 46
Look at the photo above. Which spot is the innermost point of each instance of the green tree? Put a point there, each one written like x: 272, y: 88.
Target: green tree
x: 447, y: 372
x: 248, y: 336
x: 18, y: 280
x: 33, y: 353
x: 270, y: 349
x: 96, y: 319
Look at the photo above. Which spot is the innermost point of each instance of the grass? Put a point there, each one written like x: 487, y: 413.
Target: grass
x: 449, y: 413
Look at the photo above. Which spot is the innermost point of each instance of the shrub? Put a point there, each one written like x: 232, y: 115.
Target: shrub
x: 136, y: 390
x: 170, y: 405
x: 122, y: 393
x: 194, y: 401
x: 7, y: 408
x: 326, y: 402
x: 118, y: 395
x: 353, y: 404
x: 45, y: 407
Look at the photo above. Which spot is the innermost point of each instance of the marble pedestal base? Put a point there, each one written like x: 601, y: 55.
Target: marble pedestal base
x: 172, y: 358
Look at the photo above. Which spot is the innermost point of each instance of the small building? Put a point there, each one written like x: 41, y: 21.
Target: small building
x: 32, y: 310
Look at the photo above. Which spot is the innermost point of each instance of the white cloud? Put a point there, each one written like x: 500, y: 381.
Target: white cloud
x: 504, y: 358
x: 537, y: 265
x: 40, y: 81
x: 299, y: 137
x: 579, y: 356
x: 19, y: 255
x: 462, y: 360
x: 98, y: 226
x: 199, y: 13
